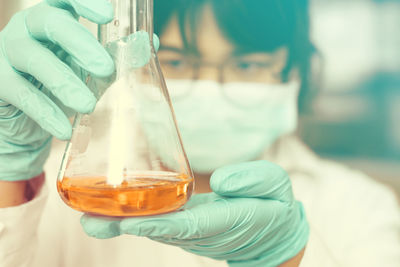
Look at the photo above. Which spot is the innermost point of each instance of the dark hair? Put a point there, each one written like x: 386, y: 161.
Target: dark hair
x: 252, y: 26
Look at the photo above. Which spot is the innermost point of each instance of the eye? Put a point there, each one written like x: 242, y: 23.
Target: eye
x: 177, y: 67
x: 175, y: 63
x: 246, y: 66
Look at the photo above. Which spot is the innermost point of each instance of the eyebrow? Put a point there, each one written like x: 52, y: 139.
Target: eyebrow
x: 180, y: 51
x: 172, y: 48
x: 235, y: 53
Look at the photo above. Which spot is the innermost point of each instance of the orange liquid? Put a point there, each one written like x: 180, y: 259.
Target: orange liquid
x: 136, y: 196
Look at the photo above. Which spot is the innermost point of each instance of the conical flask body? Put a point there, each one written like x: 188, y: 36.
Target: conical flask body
x: 126, y: 158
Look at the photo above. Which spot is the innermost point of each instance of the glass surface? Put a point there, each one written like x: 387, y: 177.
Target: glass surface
x: 127, y: 158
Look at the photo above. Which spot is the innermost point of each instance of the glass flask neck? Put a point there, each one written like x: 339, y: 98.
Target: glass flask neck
x: 130, y: 16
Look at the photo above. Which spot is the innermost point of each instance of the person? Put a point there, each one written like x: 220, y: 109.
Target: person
x: 242, y: 66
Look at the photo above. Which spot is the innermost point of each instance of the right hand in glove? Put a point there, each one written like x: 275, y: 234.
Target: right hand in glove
x: 37, y: 49
x: 250, y: 220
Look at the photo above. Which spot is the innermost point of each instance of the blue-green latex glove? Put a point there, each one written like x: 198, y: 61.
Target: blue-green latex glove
x: 251, y: 219
x: 37, y: 49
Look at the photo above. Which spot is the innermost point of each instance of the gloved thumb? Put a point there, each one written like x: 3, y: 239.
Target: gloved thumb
x: 97, y: 11
x: 256, y: 179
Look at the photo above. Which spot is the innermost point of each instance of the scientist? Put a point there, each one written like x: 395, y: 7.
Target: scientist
x: 243, y: 67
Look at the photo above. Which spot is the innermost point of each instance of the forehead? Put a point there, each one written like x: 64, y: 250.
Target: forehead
x: 210, y: 41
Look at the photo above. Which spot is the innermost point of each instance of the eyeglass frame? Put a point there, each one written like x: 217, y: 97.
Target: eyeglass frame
x: 193, y: 57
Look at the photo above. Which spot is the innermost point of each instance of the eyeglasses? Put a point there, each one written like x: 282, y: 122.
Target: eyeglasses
x: 236, y: 69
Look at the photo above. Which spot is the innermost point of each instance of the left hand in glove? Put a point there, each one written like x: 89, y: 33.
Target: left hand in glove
x: 251, y: 219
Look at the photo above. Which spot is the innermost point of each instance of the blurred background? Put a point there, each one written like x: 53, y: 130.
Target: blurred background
x: 355, y: 118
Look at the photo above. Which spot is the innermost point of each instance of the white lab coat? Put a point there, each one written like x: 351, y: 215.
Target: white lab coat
x: 354, y: 221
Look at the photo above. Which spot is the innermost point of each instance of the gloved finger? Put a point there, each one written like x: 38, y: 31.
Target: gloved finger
x: 261, y: 179
x: 192, y: 227
x: 137, y: 53
x: 211, y: 219
x: 97, y: 11
x: 19, y: 129
x: 7, y: 111
x: 201, y: 199
x: 107, y: 227
x: 100, y: 227
x: 50, y: 24
x: 156, y: 42
x: 55, y: 75
x: 249, y: 216
x: 23, y: 95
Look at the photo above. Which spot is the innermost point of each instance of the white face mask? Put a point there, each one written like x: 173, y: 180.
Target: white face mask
x: 233, y: 122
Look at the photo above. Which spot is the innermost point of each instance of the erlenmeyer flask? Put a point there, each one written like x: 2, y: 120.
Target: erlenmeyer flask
x: 127, y: 158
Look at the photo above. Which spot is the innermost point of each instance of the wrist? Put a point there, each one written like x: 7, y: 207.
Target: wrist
x: 19, y: 192
x: 295, y: 261
x: 12, y: 193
